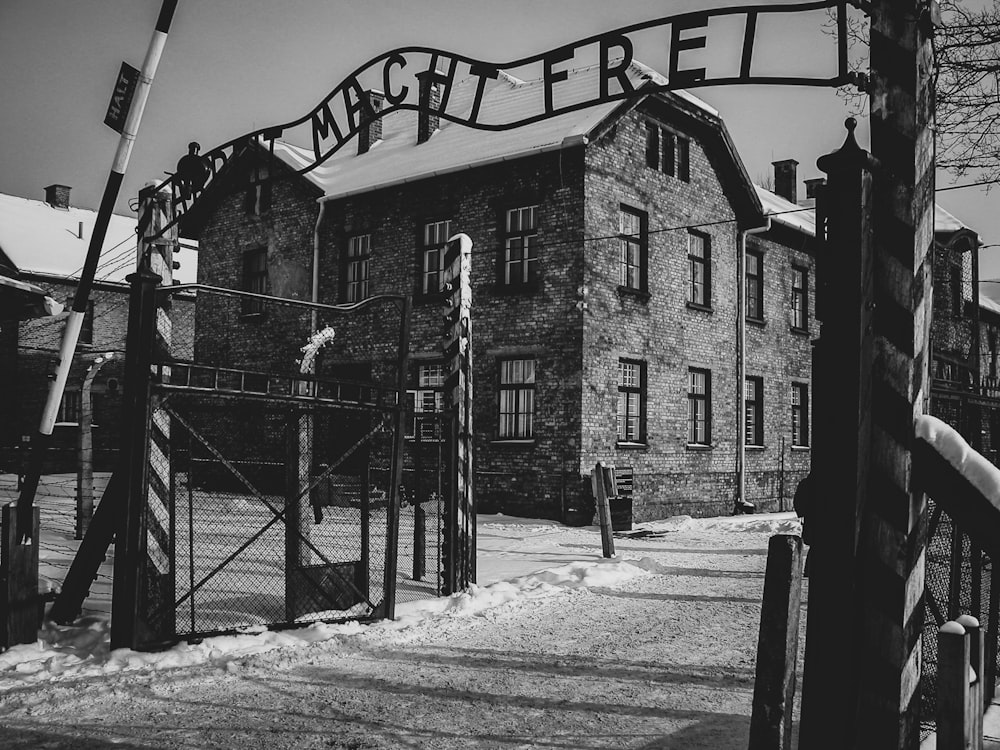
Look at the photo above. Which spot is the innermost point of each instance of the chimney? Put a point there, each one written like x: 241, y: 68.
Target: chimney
x: 812, y: 187
x: 57, y: 196
x: 430, y: 98
x: 371, y: 132
x: 786, y: 183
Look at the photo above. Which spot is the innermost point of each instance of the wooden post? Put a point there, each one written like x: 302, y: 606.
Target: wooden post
x: 976, y: 705
x: 20, y: 615
x: 85, y: 450
x: 953, y: 730
x: 599, y: 481
x: 777, y: 646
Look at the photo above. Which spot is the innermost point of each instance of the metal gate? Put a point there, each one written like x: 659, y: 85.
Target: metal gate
x: 269, y: 481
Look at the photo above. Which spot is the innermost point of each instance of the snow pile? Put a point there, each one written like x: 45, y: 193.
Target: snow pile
x: 509, y: 547
x: 980, y: 473
x: 82, y: 650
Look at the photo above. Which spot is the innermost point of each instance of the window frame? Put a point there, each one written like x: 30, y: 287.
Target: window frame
x: 430, y: 381
x: 652, y: 145
x: 516, y: 424
x: 636, y: 387
x: 425, y: 248
x: 86, y: 337
x: 72, y: 400
x: 705, y: 399
x: 357, y: 258
x: 683, y: 159
x: 705, y: 262
x: 800, y: 300
x: 640, y: 242
x: 529, y: 247
x: 755, y: 407
x: 254, y: 280
x: 800, y: 415
x: 757, y: 315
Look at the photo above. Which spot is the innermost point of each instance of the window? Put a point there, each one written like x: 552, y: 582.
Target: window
x: 69, y: 408
x: 520, y: 246
x: 632, y: 229
x: 668, y: 152
x: 257, y: 199
x: 254, y: 279
x: 87, y: 327
x: 755, y: 285
x: 517, y: 399
x: 359, y: 251
x: 754, y: 416
x: 699, y: 270
x: 800, y: 299
x: 652, y: 145
x: 699, y: 406
x: 436, y: 234
x: 631, y: 401
x: 684, y: 159
x: 428, y: 398
x: 800, y: 414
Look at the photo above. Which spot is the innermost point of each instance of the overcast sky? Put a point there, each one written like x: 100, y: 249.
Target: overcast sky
x: 232, y: 66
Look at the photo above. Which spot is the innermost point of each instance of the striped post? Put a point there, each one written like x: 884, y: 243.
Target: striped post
x: 459, y: 553
x: 155, y: 214
x: 893, y: 517
x: 144, y: 576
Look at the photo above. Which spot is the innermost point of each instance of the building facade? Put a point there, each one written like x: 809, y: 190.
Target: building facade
x: 614, y: 317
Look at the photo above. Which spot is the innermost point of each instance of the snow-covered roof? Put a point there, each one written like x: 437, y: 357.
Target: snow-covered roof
x: 396, y: 158
x: 947, y: 222
x: 783, y: 211
x: 38, y: 238
x: 803, y: 219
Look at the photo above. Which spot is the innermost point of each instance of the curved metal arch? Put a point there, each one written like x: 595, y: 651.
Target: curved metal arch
x: 217, y: 158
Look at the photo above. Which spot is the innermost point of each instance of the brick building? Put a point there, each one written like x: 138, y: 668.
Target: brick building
x: 44, y: 243
x: 609, y: 288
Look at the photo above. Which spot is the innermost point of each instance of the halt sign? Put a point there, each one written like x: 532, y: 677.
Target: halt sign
x: 121, y: 99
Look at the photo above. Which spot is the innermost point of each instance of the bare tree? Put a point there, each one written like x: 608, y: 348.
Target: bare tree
x: 967, y: 85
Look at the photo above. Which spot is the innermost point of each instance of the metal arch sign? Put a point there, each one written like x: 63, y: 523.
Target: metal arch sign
x: 342, y: 114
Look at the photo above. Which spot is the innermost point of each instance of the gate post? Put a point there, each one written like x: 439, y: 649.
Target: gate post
x: 133, y: 461
x: 863, y: 664
x: 842, y: 363
x: 894, y: 514
x: 459, y: 535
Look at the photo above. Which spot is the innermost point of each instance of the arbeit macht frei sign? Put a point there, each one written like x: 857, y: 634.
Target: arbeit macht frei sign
x: 704, y: 48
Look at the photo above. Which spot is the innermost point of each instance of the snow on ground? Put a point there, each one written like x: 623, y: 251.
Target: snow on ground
x: 555, y: 647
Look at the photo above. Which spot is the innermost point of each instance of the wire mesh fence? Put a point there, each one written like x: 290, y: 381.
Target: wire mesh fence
x: 274, y: 493
x: 959, y: 578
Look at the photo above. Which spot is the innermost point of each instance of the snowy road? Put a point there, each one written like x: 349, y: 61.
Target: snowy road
x: 653, y: 650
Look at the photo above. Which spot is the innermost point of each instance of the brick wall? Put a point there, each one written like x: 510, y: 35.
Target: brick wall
x: 671, y: 336
x: 578, y: 192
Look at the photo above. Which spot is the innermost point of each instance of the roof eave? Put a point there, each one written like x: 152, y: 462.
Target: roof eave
x: 576, y: 139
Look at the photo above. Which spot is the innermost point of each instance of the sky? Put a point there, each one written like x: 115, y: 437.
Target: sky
x: 232, y: 66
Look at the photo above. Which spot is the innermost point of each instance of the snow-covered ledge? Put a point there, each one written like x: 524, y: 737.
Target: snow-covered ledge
x: 973, y: 466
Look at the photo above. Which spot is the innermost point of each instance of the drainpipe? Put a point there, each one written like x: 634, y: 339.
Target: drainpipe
x: 741, y: 364
x: 313, y: 322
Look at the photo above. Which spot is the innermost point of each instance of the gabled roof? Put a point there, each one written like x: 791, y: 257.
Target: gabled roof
x: 397, y: 158
x: 40, y: 239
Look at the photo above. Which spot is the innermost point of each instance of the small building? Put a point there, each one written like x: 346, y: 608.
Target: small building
x: 44, y: 244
